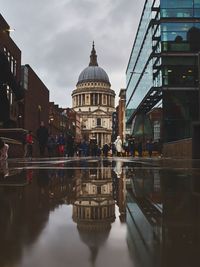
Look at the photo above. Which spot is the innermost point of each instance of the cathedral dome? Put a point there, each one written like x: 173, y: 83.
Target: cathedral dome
x: 93, y: 73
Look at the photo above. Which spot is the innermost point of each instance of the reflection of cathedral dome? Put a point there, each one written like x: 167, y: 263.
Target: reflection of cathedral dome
x: 94, y: 240
x: 93, y: 73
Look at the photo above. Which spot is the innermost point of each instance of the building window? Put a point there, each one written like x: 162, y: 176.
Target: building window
x: 25, y: 78
x: 98, y: 121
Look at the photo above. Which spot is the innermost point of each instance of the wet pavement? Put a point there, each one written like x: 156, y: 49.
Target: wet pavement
x: 99, y: 212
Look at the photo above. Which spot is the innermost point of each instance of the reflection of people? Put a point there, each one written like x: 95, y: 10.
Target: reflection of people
x: 42, y: 135
x: 118, y: 145
x: 3, y: 158
x: 118, y: 168
x: 3, y: 150
x: 4, y: 171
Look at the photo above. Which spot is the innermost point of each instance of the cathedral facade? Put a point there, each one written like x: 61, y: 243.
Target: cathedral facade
x: 94, y: 100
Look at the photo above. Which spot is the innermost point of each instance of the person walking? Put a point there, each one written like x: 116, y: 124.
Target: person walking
x: 51, y: 146
x: 61, y: 145
x: 29, y: 143
x: 42, y: 135
x: 139, y: 148
x: 105, y: 150
x: 118, y: 146
x: 131, y: 145
x: 70, y: 145
x: 149, y: 147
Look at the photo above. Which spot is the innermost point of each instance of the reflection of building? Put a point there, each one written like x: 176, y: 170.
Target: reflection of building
x: 95, y: 207
x: 94, y: 101
x: 163, y: 66
x: 163, y: 211
x: 119, y: 188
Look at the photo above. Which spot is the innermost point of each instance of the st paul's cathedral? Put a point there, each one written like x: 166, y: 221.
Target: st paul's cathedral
x: 94, y: 100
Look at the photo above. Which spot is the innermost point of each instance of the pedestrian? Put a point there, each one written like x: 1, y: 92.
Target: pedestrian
x: 139, y: 148
x: 70, y: 145
x: 84, y: 147
x: 149, y: 147
x: 3, y: 150
x: 51, y: 146
x: 118, y: 146
x: 113, y: 149
x: 126, y: 148
x: 61, y: 145
x: 42, y: 135
x: 106, y: 149
x: 93, y: 148
x: 131, y: 145
x: 29, y: 144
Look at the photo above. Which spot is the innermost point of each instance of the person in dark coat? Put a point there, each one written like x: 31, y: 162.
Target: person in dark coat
x: 51, y: 145
x: 84, y: 147
x: 131, y: 145
x: 70, y: 145
x: 106, y: 149
x: 139, y: 148
x: 42, y: 136
x: 149, y: 147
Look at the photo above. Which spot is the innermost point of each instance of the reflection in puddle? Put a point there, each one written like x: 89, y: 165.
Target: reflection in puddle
x: 96, y: 212
x: 31, y: 199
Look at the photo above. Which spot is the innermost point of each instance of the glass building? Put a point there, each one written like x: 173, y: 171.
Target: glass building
x: 163, y: 66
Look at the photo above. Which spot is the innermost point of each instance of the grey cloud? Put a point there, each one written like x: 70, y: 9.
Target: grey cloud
x: 55, y: 37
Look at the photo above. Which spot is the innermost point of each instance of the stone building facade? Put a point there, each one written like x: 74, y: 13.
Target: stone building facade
x: 94, y: 100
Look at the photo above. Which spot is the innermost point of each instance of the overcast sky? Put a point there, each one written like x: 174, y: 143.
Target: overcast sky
x: 55, y: 37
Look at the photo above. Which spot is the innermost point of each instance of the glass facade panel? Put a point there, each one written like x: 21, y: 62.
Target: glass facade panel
x: 143, y: 27
x: 180, y: 110
x: 176, y: 3
x: 151, y: 65
x: 197, y: 13
x: 180, y: 76
x: 180, y: 8
x: 197, y: 3
x: 180, y: 36
x: 177, y: 12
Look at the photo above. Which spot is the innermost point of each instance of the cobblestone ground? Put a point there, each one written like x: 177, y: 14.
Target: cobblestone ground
x: 142, y: 212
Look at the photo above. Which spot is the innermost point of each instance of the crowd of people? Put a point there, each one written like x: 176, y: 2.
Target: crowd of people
x: 65, y: 146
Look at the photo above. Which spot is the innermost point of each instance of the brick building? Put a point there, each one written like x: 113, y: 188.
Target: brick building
x: 11, y: 108
x: 36, y: 100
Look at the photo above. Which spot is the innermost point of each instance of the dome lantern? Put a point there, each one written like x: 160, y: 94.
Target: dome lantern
x: 93, y: 57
